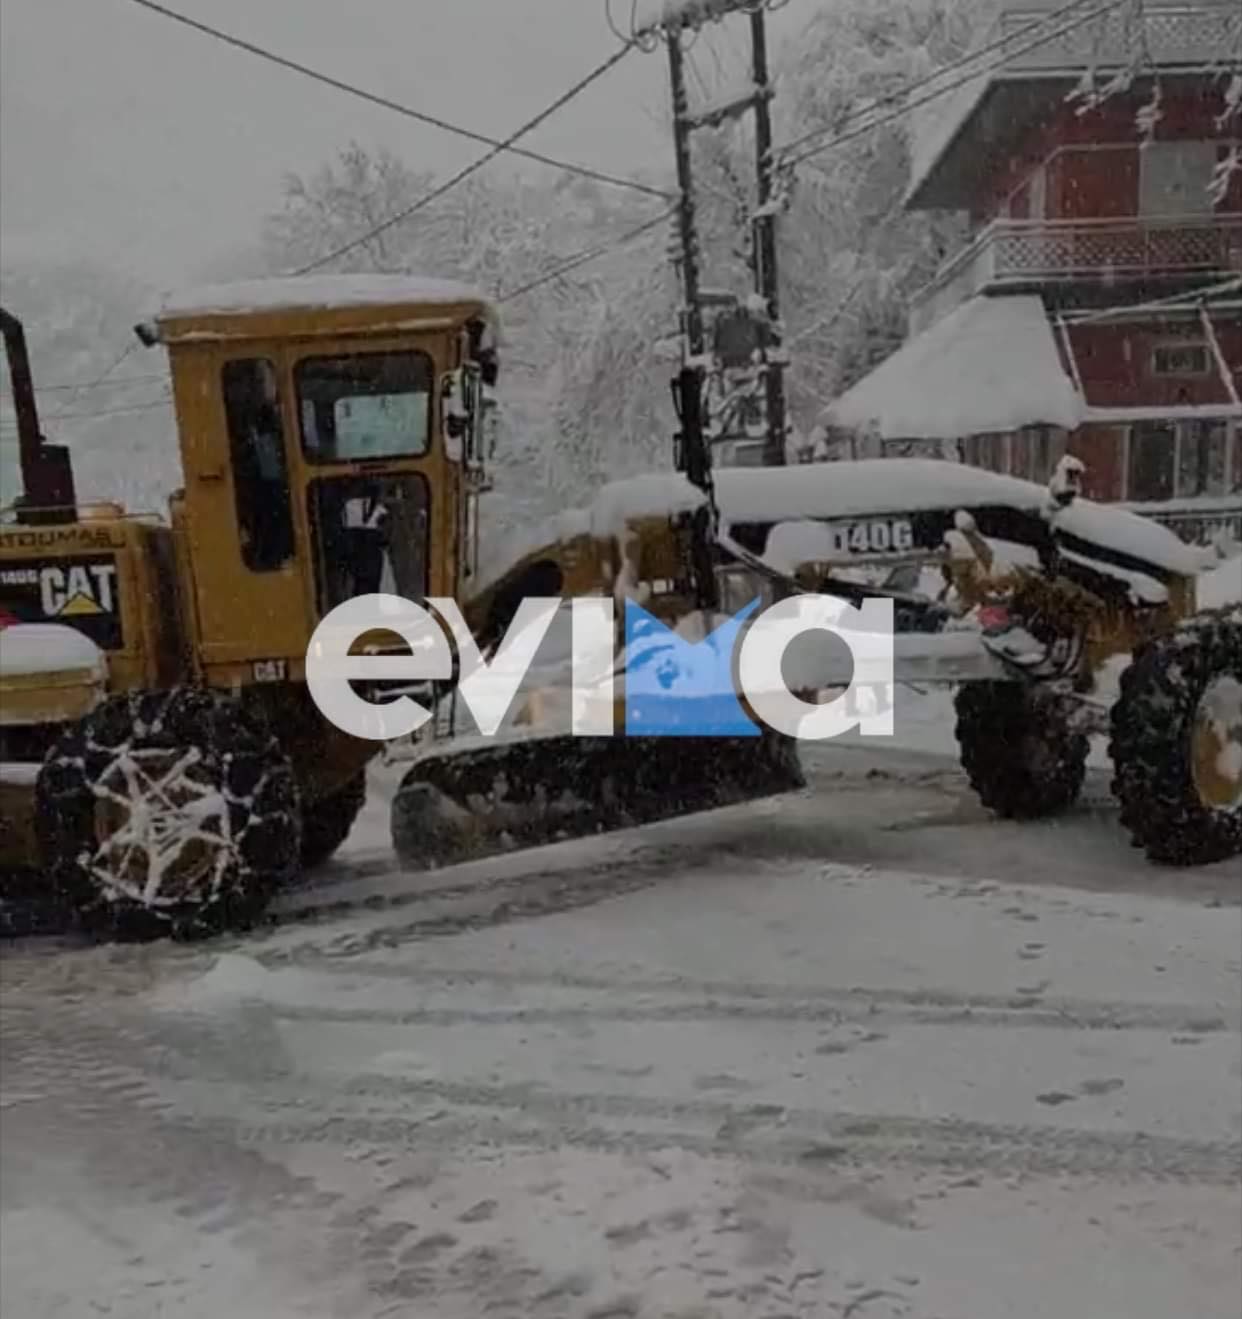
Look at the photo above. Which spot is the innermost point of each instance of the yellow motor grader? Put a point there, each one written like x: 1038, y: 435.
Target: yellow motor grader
x: 162, y: 762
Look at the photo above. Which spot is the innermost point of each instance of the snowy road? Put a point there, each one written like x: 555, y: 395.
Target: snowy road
x: 860, y: 1052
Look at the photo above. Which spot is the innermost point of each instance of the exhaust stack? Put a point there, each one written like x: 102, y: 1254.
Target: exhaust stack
x: 48, y: 494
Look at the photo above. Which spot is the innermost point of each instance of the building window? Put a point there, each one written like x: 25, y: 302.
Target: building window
x: 1153, y: 461
x: 1181, y: 359
x: 260, y: 471
x: 1175, y: 178
x: 1202, y: 458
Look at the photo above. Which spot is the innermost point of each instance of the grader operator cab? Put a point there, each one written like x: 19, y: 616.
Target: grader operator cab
x: 162, y: 761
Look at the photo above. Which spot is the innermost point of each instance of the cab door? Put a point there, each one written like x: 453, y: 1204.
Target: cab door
x: 243, y: 538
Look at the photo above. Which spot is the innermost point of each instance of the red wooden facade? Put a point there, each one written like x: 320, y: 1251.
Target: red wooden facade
x: 1131, y: 233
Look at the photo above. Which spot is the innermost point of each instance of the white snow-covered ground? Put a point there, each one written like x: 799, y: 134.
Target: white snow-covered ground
x: 857, y: 1052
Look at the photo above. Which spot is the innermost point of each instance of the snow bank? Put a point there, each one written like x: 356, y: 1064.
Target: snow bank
x: 990, y: 365
x: 296, y: 292
x: 47, y: 648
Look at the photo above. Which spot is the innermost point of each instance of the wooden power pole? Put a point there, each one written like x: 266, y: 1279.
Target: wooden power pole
x: 695, y: 456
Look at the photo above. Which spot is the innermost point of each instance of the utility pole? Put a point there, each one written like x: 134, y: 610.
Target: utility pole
x: 687, y: 219
x: 694, y: 456
x: 767, y: 275
x: 762, y: 329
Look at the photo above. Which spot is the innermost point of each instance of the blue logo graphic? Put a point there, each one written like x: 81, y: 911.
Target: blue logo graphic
x: 680, y: 688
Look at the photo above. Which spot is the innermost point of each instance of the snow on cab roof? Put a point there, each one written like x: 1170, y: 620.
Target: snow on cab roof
x: 303, y: 292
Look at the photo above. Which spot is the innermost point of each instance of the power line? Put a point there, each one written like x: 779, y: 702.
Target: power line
x: 360, y: 93
x: 462, y: 174
x: 112, y: 412
x: 78, y: 385
x: 904, y: 110
x: 106, y: 372
x: 591, y: 254
x: 936, y: 75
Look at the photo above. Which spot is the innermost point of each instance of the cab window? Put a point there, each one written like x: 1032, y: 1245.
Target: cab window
x: 370, y: 535
x: 364, y: 405
x: 260, y: 468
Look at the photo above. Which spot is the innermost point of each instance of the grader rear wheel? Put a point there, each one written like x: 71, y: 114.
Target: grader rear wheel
x: 168, y: 813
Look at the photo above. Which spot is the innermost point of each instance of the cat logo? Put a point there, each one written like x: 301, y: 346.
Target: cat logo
x: 78, y: 590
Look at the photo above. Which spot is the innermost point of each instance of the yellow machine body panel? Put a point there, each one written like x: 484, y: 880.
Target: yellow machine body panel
x: 111, y: 577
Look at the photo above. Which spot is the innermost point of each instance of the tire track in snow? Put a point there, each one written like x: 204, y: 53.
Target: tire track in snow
x: 222, y: 1079
x: 714, y: 999
x: 466, y: 1115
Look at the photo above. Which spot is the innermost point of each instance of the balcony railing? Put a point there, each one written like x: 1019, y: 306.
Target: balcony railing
x: 1166, y: 32
x: 1032, y: 254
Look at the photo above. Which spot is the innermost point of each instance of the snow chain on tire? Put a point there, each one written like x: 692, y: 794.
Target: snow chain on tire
x: 1153, y: 724
x: 1021, y: 755
x: 168, y: 813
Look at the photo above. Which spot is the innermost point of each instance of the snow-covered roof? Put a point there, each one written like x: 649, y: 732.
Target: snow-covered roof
x: 990, y: 365
x: 305, y: 292
x: 933, y: 128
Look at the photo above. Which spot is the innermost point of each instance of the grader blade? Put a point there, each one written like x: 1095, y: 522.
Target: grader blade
x: 459, y: 805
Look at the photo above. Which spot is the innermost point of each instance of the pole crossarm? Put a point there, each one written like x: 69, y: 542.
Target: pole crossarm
x: 667, y: 17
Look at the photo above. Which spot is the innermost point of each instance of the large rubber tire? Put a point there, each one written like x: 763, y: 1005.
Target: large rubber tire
x: 191, y: 779
x: 327, y: 821
x: 1022, y: 758
x: 1151, y: 745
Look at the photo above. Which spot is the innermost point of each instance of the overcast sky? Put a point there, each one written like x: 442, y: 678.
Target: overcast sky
x: 132, y: 141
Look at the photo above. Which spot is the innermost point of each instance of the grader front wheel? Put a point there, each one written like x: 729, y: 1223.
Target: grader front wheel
x: 168, y: 812
x: 1177, y: 742
x: 1021, y: 755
